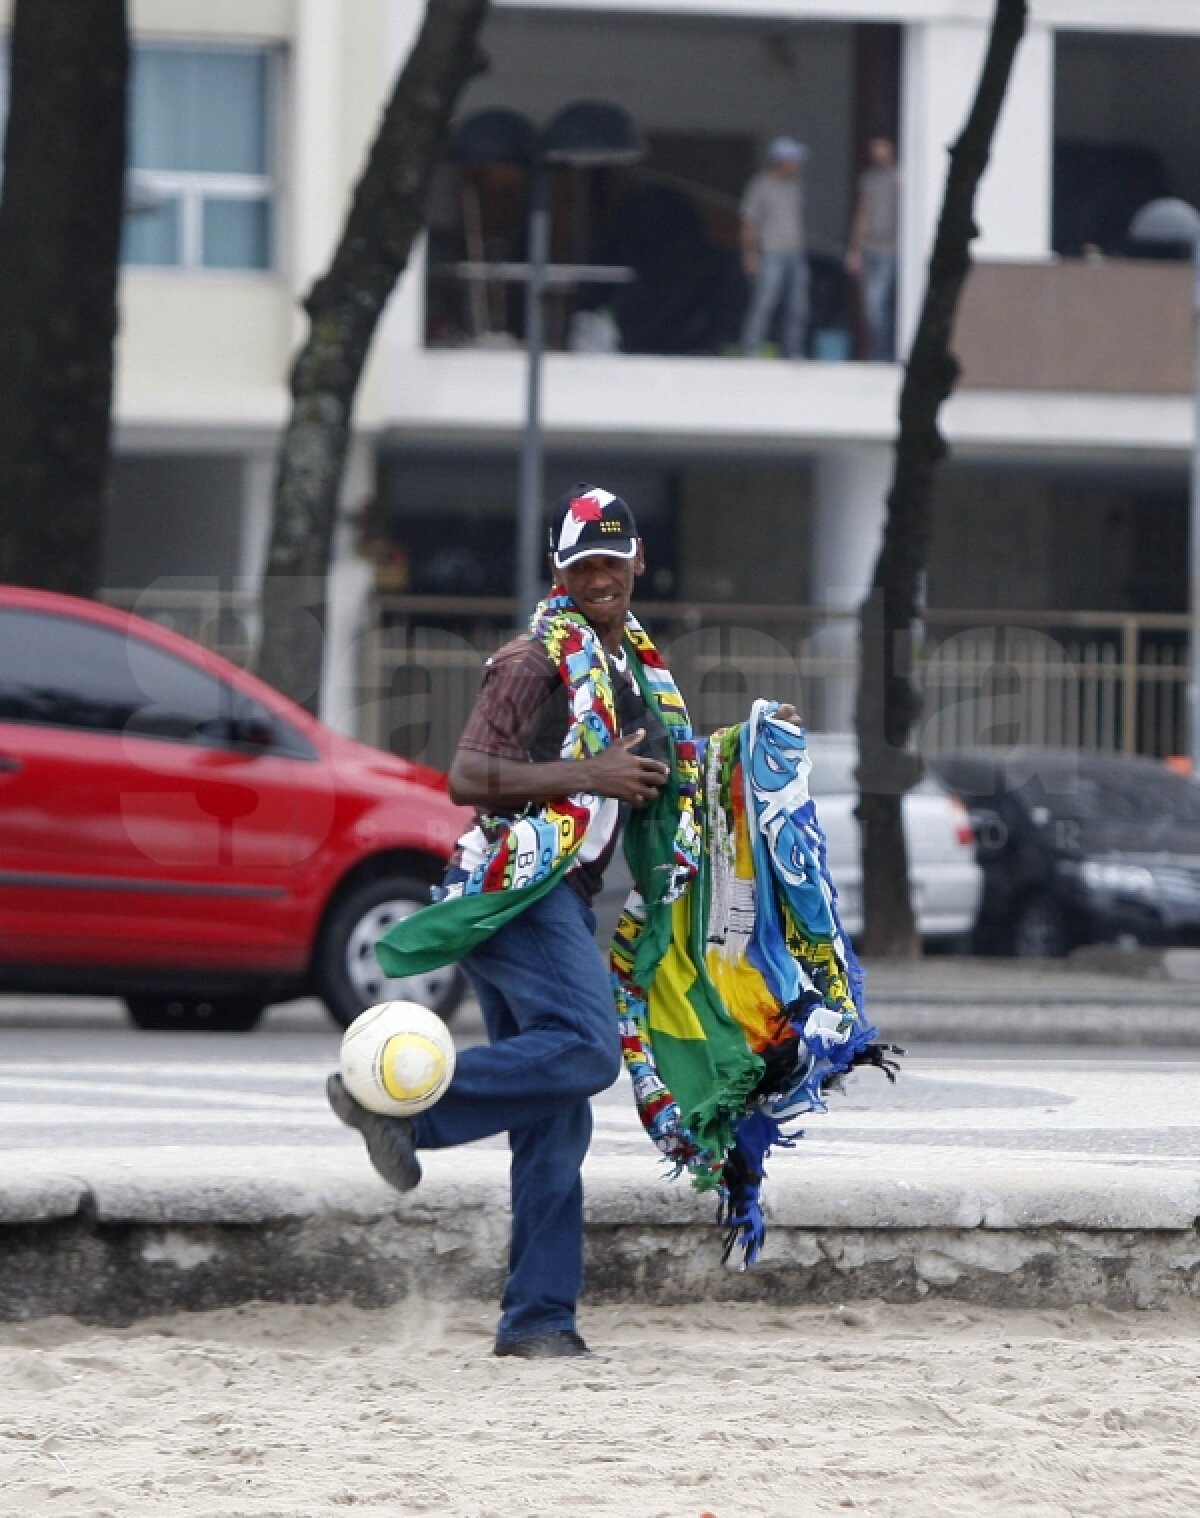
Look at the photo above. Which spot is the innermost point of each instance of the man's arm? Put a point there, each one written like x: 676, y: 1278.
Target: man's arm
x: 751, y: 216
x: 496, y: 784
x: 749, y: 246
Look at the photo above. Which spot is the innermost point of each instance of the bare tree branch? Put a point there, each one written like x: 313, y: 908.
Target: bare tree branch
x: 889, y: 702
x: 344, y: 308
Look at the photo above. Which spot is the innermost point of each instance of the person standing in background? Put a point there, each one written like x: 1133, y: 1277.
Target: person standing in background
x: 871, y: 258
x: 774, y: 250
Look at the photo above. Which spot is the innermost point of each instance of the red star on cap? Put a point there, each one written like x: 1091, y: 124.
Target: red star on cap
x: 585, y: 509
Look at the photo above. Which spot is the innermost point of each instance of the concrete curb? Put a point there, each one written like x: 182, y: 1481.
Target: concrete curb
x: 148, y: 1233
x: 1178, y: 965
x: 1120, y: 1025
x: 1100, y: 995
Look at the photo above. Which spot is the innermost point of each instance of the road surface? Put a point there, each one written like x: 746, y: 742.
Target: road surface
x: 73, y: 1074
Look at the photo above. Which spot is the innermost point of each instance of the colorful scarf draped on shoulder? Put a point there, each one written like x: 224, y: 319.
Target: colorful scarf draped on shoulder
x: 533, y: 850
x: 739, y: 997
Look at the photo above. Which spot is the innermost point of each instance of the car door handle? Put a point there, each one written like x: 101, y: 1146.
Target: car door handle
x: 9, y: 766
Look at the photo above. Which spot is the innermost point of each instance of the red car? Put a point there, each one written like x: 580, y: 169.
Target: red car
x: 175, y: 832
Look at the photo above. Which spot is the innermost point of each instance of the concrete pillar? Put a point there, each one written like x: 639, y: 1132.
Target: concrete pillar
x: 348, y: 595
x: 942, y: 62
x: 316, y: 173
x: 403, y: 323
x: 401, y: 331
x: 338, y: 109
x: 258, y: 501
x: 258, y: 495
x: 851, y: 487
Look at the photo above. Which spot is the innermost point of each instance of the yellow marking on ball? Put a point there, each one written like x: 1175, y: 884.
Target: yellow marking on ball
x: 410, y: 1066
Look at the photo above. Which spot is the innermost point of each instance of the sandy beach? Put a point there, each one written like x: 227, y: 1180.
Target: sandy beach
x: 738, y: 1412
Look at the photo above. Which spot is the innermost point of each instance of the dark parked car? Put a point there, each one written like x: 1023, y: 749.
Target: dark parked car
x: 1079, y: 848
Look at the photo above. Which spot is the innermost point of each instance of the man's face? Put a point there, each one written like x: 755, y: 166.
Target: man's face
x: 601, y: 587
x: 882, y: 152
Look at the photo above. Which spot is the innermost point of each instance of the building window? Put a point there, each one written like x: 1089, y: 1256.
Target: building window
x: 201, y: 193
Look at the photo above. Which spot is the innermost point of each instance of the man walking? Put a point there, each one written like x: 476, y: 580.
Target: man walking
x: 559, y: 744
x: 774, y: 249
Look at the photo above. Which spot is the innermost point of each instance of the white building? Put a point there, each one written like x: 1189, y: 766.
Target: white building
x: 760, y: 481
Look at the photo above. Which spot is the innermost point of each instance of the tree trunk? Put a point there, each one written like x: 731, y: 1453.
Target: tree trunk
x: 344, y: 308
x: 889, y: 702
x: 60, y: 237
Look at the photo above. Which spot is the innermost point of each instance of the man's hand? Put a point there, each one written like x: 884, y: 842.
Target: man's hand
x: 500, y: 785
x: 854, y: 263
x: 750, y: 262
x: 621, y: 774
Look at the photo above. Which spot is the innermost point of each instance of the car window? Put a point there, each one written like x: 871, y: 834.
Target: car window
x: 64, y: 672
x: 1123, y: 795
x: 285, y: 739
x: 69, y: 673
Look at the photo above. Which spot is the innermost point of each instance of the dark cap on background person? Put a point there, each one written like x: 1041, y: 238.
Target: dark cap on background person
x: 591, y: 521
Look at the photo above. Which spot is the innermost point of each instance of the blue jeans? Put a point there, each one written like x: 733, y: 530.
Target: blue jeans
x: 544, y: 991
x: 879, y: 305
x: 780, y: 276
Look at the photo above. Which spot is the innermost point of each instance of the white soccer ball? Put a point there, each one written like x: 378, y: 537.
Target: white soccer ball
x: 397, y: 1058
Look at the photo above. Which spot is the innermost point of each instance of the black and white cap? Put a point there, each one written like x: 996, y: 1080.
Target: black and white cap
x: 588, y: 520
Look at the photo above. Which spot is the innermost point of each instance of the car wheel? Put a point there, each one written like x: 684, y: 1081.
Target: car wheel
x: 348, y: 974
x: 1039, y: 930
x: 195, y: 1014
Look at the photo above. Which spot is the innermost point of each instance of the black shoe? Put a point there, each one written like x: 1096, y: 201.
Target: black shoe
x: 562, y: 1344
x: 389, y: 1140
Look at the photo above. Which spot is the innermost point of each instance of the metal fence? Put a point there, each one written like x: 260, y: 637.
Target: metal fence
x: 1114, y: 683
x: 226, y: 621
